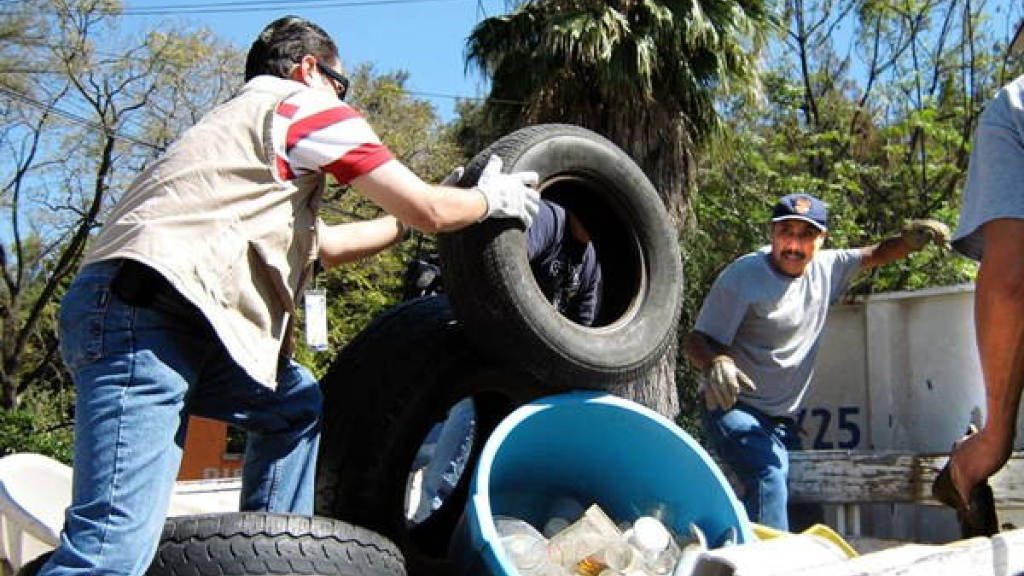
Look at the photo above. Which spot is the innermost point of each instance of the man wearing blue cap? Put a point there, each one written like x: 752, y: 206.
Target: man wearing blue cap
x: 757, y: 336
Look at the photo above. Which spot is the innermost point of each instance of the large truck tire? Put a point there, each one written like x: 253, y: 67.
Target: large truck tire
x: 491, y: 286
x: 258, y: 543
x: 383, y: 394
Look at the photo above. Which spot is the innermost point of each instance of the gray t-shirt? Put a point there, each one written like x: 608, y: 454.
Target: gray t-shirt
x: 995, y: 177
x: 771, y: 323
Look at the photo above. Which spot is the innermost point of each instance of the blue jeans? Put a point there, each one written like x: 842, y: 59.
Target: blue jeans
x: 139, y: 373
x: 756, y: 447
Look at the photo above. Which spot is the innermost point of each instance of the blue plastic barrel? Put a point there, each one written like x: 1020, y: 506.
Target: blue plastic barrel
x: 599, y: 449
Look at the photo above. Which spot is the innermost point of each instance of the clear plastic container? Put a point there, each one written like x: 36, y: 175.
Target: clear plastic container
x: 656, y: 544
x: 524, y: 545
x: 588, y: 535
x: 615, y: 556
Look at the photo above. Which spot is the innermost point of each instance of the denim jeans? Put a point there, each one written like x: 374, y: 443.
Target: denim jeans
x: 139, y: 372
x: 756, y: 447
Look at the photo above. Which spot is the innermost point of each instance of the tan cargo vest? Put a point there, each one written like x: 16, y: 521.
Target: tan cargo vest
x: 213, y: 216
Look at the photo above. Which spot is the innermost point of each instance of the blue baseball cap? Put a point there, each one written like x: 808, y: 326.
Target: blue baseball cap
x: 801, y: 207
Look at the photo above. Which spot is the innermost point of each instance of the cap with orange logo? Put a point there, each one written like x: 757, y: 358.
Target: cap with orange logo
x: 801, y: 207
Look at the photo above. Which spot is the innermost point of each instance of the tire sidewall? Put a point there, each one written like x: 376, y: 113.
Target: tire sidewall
x: 365, y: 462
x: 548, y: 345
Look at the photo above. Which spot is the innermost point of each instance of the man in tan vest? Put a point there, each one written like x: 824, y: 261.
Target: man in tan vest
x: 186, y: 298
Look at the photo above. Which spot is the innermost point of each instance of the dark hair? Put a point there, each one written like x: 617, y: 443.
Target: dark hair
x: 283, y: 43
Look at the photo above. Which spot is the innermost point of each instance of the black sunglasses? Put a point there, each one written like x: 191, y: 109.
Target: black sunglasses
x: 342, y: 80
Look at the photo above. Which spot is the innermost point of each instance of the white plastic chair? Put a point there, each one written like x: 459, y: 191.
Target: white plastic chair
x: 34, y: 492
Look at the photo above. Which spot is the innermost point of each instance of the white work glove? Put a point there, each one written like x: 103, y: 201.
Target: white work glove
x: 722, y: 383
x: 918, y: 233
x: 508, y: 195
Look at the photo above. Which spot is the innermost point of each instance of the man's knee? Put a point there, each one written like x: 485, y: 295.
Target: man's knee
x: 772, y: 478
x: 303, y: 396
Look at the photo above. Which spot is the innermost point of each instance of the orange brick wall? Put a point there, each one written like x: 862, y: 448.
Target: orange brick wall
x: 205, y: 452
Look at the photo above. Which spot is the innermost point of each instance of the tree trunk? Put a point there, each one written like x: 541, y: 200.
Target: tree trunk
x: 657, y: 390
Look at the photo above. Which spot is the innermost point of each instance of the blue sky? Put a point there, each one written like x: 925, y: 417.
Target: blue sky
x: 426, y: 39
x: 423, y: 37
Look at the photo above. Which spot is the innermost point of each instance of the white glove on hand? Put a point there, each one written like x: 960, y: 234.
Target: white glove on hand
x: 722, y: 383
x: 508, y: 195
x: 918, y: 233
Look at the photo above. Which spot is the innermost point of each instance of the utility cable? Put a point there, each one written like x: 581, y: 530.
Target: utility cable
x: 249, y: 6
x: 74, y: 118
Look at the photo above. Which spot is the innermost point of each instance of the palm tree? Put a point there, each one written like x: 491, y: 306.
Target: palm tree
x: 644, y: 73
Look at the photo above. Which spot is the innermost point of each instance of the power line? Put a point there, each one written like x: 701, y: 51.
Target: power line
x: 459, y: 97
x: 74, y: 118
x: 253, y: 6
x: 81, y: 121
x: 267, y: 6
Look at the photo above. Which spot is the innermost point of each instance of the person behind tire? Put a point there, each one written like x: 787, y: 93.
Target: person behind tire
x: 562, y: 258
x: 566, y: 268
x: 185, y: 300
x: 757, y: 335
x: 564, y: 262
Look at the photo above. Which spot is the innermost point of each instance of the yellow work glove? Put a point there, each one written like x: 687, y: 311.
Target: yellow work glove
x: 918, y: 233
x: 722, y: 383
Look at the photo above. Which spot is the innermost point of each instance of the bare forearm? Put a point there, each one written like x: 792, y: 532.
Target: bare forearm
x: 344, y: 243
x: 1000, y: 333
x: 451, y: 209
x: 886, y: 251
x: 699, y: 351
x: 430, y: 209
x: 999, y: 323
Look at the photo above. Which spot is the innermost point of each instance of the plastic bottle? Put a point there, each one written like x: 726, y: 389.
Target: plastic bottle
x: 656, y: 544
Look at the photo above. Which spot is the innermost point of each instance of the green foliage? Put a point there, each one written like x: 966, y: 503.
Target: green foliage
x: 359, y: 291
x: 474, y: 128
x: 409, y: 126
x: 646, y: 74
x: 114, y: 101
x: 42, y: 424
x: 881, y: 146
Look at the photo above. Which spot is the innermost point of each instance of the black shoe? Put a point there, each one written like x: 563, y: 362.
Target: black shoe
x: 976, y: 519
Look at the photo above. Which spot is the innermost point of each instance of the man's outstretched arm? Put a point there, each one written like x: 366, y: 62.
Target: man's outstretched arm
x: 915, y: 235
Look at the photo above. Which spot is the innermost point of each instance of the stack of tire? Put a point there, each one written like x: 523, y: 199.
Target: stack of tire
x: 494, y: 337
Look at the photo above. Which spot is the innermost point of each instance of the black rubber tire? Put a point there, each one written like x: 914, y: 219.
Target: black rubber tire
x: 252, y: 543
x: 383, y: 393
x: 489, y: 281
x: 257, y: 543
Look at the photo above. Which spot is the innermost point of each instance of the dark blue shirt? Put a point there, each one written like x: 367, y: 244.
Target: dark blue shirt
x: 566, y: 269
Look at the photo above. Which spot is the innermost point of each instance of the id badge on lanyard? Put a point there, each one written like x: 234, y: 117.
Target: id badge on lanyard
x: 316, y: 318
